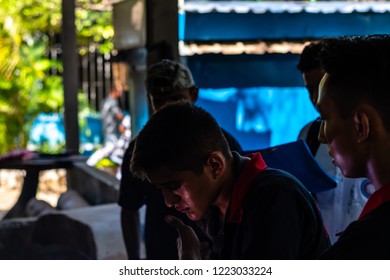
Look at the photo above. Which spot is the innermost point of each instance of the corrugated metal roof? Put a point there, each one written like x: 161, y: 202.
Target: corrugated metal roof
x: 283, y: 21
x: 238, y: 48
x: 286, y: 7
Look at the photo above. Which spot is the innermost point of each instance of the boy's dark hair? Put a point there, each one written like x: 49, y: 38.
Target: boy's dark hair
x: 360, y: 67
x: 180, y: 136
x: 308, y: 60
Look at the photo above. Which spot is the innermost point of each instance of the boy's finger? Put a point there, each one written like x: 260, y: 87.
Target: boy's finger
x: 175, y: 222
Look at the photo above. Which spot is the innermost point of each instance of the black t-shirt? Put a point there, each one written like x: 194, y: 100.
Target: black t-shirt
x: 365, y: 239
x: 280, y: 220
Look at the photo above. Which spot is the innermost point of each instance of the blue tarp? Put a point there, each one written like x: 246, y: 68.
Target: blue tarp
x: 295, y: 158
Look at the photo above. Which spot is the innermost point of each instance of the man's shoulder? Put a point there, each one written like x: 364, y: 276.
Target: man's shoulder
x: 277, y: 181
x: 371, y: 223
x: 108, y: 101
x: 271, y: 176
x: 303, y: 133
x: 367, y: 238
x: 233, y: 143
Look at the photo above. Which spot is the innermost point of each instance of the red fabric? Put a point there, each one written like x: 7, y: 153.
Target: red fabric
x: 245, y: 180
x: 377, y: 198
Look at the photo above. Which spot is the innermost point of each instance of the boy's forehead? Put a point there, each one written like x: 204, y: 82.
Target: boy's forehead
x: 162, y: 175
x: 325, y: 100
x: 326, y: 96
x: 321, y: 90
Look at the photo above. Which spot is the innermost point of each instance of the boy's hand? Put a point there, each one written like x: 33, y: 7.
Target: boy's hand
x: 188, y: 245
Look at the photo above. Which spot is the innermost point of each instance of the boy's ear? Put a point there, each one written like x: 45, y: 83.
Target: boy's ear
x: 216, y: 164
x: 194, y: 92
x: 362, y: 125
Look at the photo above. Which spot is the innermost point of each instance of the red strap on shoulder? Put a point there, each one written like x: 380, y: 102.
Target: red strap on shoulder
x: 244, y: 182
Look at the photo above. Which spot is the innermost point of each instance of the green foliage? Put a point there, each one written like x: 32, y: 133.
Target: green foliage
x: 26, y: 87
x: 94, y: 26
x: 31, y: 82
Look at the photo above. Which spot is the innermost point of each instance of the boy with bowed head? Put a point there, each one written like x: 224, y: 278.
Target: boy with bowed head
x: 166, y: 82
x: 247, y: 210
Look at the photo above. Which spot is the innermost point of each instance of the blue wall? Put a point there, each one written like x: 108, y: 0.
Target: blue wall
x: 245, y: 71
x: 260, y: 117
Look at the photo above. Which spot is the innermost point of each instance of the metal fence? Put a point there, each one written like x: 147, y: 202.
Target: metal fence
x: 97, y: 72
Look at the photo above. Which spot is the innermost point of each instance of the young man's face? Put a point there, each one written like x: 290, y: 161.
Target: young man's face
x: 186, y: 191
x: 312, y: 80
x: 159, y: 100
x: 337, y: 132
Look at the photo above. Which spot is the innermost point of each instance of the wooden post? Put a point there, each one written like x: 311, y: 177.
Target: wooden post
x: 162, y: 26
x: 70, y: 83
x: 161, y: 42
x: 70, y: 75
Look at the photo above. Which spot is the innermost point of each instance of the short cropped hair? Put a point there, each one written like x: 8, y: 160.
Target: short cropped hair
x: 180, y: 136
x: 359, y: 69
x: 308, y: 60
x: 168, y: 75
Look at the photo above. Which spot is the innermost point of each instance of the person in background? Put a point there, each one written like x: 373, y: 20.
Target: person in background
x: 354, y: 104
x: 166, y: 82
x: 122, y: 143
x: 111, y: 116
x: 248, y: 211
x: 342, y: 205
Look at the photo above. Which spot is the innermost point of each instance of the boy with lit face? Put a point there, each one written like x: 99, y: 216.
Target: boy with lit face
x: 348, y: 197
x: 354, y: 102
x: 248, y: 210
x: 166, y: 82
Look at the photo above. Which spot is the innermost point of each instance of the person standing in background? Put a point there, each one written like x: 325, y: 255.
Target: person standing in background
x: 111, y: 116
x: 122, y: 143
x: 166, y: 82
